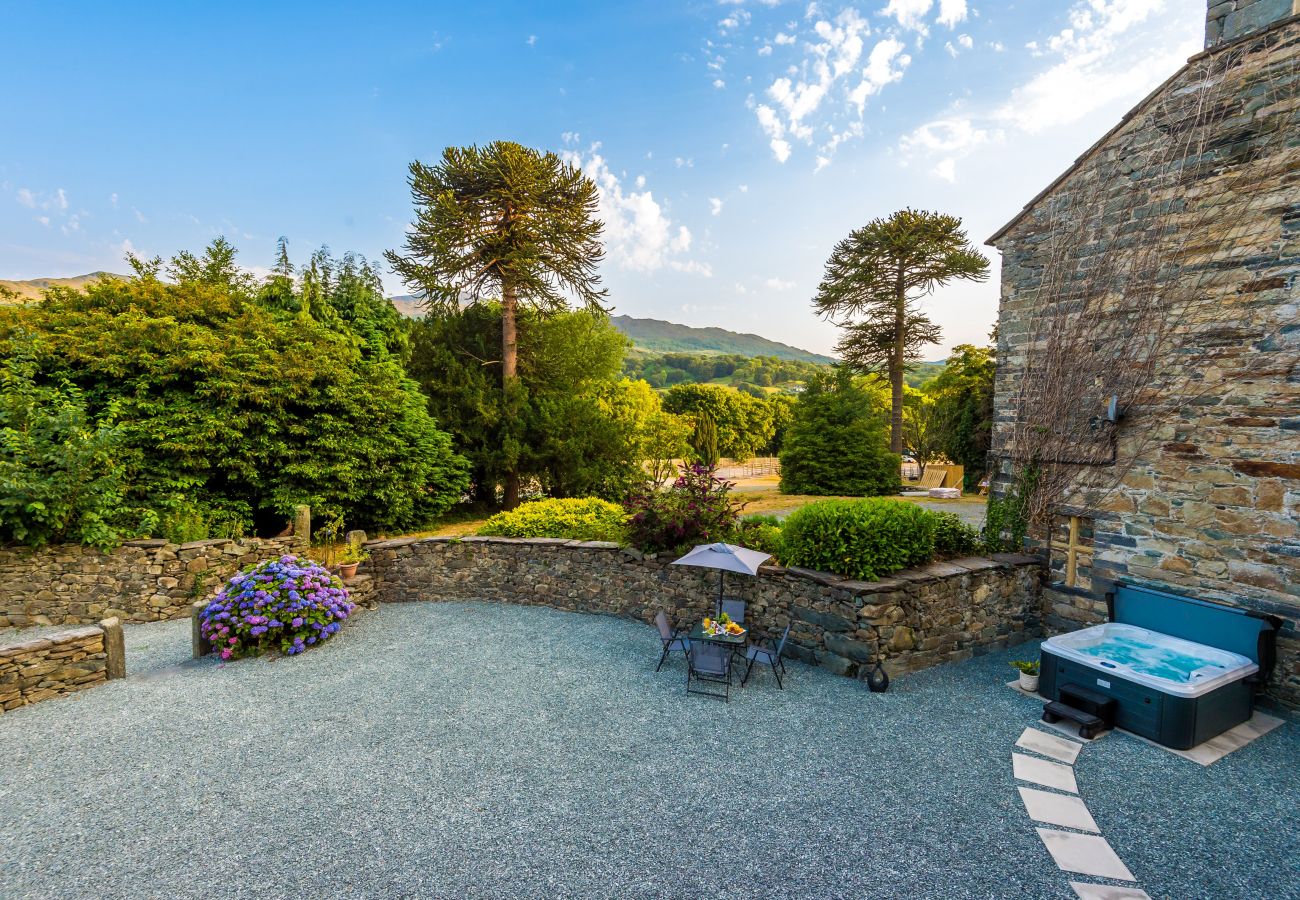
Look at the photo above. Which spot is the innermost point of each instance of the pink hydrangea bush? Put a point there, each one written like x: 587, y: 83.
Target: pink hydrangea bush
x: 287, y: 604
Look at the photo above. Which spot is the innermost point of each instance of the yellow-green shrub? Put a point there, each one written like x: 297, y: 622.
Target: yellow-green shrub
x: 584, y: 519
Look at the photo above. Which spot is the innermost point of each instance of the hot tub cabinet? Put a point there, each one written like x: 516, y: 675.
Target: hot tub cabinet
x: 1180, y: 670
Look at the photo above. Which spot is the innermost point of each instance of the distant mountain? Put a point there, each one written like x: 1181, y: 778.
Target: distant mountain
x: 31, y: 289
x: 407, y: 304
x: 658, y: 336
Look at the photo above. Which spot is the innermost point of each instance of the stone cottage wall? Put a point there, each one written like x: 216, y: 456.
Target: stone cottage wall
x: 1211, y: 506
x: 63, y: 663
x: 141, y: 581
x: 1226, y: 20
x: 944, y: 612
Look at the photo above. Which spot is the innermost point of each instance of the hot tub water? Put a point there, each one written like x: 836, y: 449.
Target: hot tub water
x: 1150, y: 659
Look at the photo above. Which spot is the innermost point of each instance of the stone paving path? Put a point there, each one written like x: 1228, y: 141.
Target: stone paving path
x: 1074, y: 841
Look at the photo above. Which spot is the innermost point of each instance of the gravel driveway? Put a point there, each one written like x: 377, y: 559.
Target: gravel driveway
x: 475, y: 750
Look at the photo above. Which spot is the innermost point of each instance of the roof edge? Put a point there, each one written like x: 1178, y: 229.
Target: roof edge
x: 1128, y: 117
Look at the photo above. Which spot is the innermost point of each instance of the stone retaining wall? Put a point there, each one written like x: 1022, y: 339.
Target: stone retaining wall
x: 141, y: 581
x: 61, y: 664
x: 944, y: 612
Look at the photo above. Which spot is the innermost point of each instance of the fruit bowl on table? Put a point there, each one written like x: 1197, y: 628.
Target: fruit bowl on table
x: 721, y: 628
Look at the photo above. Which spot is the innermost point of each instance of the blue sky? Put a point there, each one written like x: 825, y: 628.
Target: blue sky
x: 734, y: 142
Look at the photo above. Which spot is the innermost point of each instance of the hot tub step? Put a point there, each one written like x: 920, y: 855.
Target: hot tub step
x: 1089, y: 725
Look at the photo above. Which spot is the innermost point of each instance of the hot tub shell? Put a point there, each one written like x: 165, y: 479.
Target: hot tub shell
x: 1173, y: 713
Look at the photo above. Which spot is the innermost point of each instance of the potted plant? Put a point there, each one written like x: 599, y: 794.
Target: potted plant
x: 350, y: 557
x: 1028, y: 675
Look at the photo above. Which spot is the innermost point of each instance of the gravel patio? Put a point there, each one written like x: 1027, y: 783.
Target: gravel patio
x: 492, y: 750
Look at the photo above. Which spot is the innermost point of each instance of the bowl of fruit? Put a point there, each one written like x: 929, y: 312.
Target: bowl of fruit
x: 722, y: 626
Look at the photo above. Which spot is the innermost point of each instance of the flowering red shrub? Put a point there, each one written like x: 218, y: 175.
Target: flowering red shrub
x: 697, y: 509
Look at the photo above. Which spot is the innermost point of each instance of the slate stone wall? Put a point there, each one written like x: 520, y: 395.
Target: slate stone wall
x: 1212, y: 505
x: 944, y: 612
x: 63, y: 663
x: 1226, y: 20
x: 141, y: 581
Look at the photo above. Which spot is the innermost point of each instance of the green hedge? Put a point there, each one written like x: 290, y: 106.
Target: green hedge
x: 863, y: 539
x: 584, y: 519
x: 953, y: 537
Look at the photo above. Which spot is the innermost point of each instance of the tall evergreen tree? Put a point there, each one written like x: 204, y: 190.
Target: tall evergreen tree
x: 704, y: 440
x: 503, y: 222
x: 873, y: 282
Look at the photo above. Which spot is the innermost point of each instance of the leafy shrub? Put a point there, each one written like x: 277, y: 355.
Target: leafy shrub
x: 837, y: 442
x: 761, y: 533
x: 953, y: 537
x: 62, y: 475
x: 697, y: 509
x: 284, y: 603
x: 215, y: 396
x: 864, y: 539
x: 585, y: 519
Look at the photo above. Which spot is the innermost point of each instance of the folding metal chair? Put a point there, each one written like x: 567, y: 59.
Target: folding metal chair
x: 672, y: 640
x: 708, y: 664
x: 772, y: 657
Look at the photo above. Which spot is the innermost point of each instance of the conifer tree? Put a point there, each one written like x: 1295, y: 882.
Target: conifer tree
x: 502, y: 223
x: 873, y: 282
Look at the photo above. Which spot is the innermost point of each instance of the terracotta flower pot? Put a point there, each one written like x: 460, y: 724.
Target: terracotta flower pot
x: 349, y: 570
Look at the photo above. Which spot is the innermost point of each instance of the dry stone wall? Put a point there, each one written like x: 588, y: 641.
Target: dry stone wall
x: 944, y: 612
x: 62, y: 663
x: 141, y: 581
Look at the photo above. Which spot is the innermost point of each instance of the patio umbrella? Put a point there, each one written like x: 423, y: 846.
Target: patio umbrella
x: 725, y: 558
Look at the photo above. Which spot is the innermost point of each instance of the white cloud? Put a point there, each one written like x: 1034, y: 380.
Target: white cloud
x: 744, y: 189
x: 1097, y: 64
x: 1102, y: 56
x: 26, y: 198
x: 884, y: 66
x: 777, y: 284
x: 909, y: 14
x: 639, y: 234
x: 44, y: 220
x: 719, y: 83
x: 139, y: 216
x: 127, y: 248
x: 951, y: 12
x: 783, y: 39
x: 737, y: 19
x: 740, y: 288
x: 966, y: 41
x: 532, y: 40
x: 61, y: 198
x: 832, y: 82
x: 998, y: 46
x: 691, y: 267
x: 715, y: 206
x: 113, y: 200
x: 765, y: 50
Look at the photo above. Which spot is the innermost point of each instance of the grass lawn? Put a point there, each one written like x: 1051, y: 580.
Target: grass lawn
x: 761, y: 496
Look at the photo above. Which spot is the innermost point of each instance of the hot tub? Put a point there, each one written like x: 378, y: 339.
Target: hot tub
x: 1181, y: 670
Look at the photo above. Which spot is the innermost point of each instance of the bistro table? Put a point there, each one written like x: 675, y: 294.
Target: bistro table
x: 735, y: 643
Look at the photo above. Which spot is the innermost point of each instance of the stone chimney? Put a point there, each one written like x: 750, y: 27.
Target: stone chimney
x: 1229, y: 19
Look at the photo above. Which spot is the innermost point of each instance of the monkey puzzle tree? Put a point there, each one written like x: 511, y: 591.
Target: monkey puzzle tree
x: 873, y: 281
x: 502, y: 223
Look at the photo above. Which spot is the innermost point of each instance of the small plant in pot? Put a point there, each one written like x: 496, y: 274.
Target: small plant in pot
x: 349, y: 558
x: 1028, y: 675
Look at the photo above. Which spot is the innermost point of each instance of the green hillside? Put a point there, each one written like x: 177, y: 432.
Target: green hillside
x: 658, y: 336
